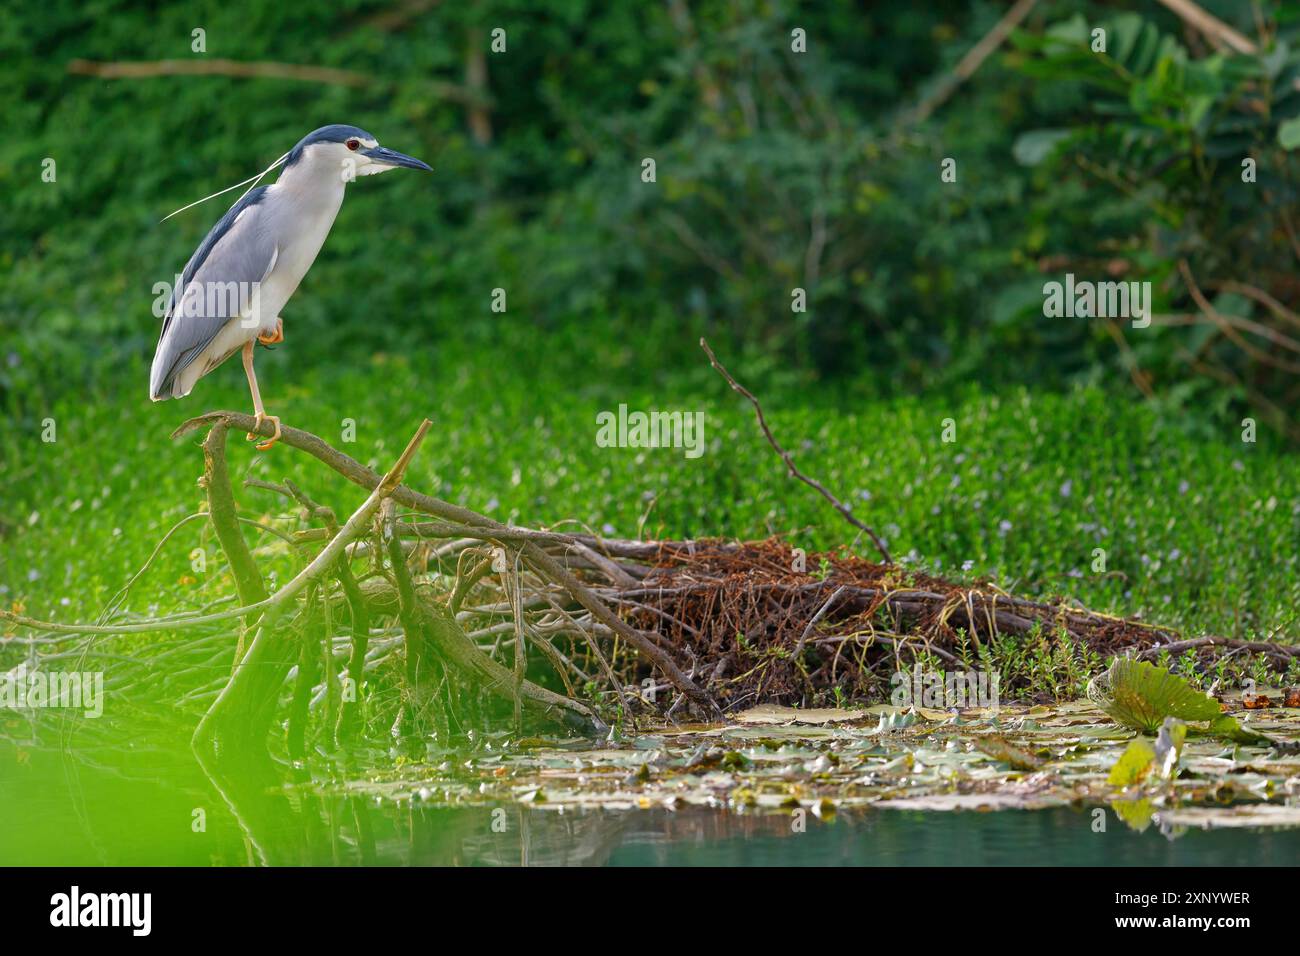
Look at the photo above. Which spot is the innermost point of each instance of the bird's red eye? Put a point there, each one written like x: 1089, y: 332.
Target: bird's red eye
x: 353, y: 144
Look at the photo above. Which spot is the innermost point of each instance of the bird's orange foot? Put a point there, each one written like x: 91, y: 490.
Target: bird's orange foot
x: 253, y: 436
x: 273, y: 338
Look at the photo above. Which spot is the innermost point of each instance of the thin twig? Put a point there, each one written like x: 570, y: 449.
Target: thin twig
x: 830, y: 601
x: 1215, y: 30
x: 786, y: 457
x: 974, y: 59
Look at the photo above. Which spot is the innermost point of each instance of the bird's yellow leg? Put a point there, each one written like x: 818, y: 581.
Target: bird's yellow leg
x: 276, y: 337
x: 258, y: 411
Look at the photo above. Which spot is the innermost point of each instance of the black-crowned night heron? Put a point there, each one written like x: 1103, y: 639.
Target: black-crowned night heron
x: 232, y: 290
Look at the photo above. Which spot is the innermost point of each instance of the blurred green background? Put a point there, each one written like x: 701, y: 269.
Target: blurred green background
x: 775, y: 170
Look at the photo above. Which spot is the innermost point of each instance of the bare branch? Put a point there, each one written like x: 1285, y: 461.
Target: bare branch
x: 974, y: 59
x: 221, y: 507
x: 216, y: 66
x: 1216, y: 31
x: 786, y: 457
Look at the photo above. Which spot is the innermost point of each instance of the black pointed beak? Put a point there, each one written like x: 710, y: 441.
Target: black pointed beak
x: 391, y: 157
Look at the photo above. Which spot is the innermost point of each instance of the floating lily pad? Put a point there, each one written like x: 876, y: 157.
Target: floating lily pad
x: 999, y: 748
x: 775, y: 714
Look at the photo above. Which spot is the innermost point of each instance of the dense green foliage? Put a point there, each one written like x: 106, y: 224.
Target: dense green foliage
x: 1196, y: 533
x: 1196, y: 154
x: 775, y: 170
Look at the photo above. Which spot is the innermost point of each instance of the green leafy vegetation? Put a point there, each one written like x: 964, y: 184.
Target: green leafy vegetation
x: 1197, y: 535
x: 1192, y: 153
x: 775, y: 171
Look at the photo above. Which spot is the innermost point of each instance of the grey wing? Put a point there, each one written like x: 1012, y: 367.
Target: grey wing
x: 214, y: 288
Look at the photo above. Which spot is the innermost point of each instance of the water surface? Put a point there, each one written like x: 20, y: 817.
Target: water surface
x: 157, y: 806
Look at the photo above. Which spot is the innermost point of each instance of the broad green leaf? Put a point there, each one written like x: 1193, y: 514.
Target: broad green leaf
x: 1133, y: 765
x: 1141, y: 695
x: 1124, y: 31
x: 1073, y: 30
x: 1231, y: 728
x: 1274, y: 61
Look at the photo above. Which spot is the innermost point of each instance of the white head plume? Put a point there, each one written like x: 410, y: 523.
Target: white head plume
x: 253, y: 180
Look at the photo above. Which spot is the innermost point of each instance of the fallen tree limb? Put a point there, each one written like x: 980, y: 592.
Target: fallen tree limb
x: 242, y: 712
x: 359, y: 474
x: 1283, y: 651
x: 221, y: 510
